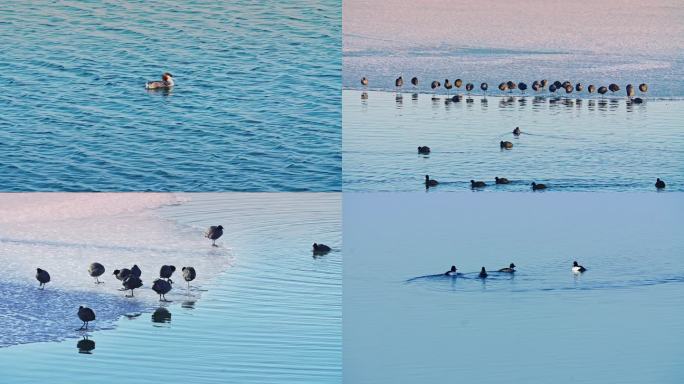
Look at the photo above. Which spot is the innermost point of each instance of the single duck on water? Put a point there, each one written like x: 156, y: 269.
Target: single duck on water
x: 537, y: 187
x: 430, y: 182
x: 516, y: 131
x: 452, y: 271
x: 576, y: 268
x: 483, y: 273
x: 165, y: 83
x: 424, y: 150
x: 659, y: 184
x: 506, y: 145
x: 501, y: 180
x: 509, y: 269
x: 320, y: 249
x: 477, y: 184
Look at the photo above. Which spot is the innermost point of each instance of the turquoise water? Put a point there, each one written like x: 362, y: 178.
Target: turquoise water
x: 256, y: 105
x: 618, y: 322
x: 569, y: 144
x: 270, y: 314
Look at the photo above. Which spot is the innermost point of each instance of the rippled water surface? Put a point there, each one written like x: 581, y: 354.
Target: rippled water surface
x: 569, y: 144
x: 618, y: 322
x: 256, y: 106
x: 261, y: 310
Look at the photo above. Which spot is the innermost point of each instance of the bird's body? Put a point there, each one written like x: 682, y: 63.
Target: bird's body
x: 501, y: 180
x: 484, y: 87
x: 659, y: 184
x: 424, y: 150
x: 483, y: 273
x: 643, y: 87
x: 576, y: 268
x: 477, y: 184
x: 536, y: 86
x: 516, y: 131
x: 320, y: 249
x: 86, y: 315
x: 509, y: 269
x: 399, y: 82
x: 414, y: 81
x: 135, y: 271
x: 213, y: 233
x: 122, y: 274
x: 165, y: 83
x: 522, y: 87
x: 543, y: 83
x: 43, y: 277
x: 364, y: 81
x: 613, y: 87
x: 447, y: 85
x: 96, y: 270
x: 430, y: 182
x: 630, y: 90
x: 469, y: 87
x: 511, y: 85
x: 132, y: 282
x: 506, y: 145
x: 503, y: 87
x: 434, y: 85
x: 189, y: 274
x: 602, y: 90
x: 458, y: 83
x: 161, y: 287
x: 166, y: 271
x: 579, y: 87
x: 536, y: 187
x: 591, y: 88
x: 452, y: 271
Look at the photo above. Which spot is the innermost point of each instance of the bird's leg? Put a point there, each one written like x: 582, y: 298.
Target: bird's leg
x: 86, y: 324
x: 82, y: 326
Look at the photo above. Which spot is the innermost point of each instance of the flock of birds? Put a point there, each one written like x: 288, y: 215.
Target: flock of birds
x: 131, y: 277
x: 537, y: 86
x: 425, y: 150
x: 576, y: 268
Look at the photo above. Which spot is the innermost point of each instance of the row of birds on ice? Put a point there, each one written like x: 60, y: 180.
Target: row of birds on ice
x: 537, y: 86
x: 131, y: 278
x: 576, y: 268
x: 425, y: 150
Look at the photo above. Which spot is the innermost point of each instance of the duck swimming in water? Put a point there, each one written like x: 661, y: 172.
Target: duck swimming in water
x: 659, y: 184
x: 483, y: 273
x: 477, y: 184
x: 430, y: 182
x: 516, y: 131
x: 577, y: 268
x: 536, y: 187
x: 452, y: 271
x: 424, y: 150
x: 506, y: 145
x: 501, y: 180
x: 509, y: 269
x: 165, y: 83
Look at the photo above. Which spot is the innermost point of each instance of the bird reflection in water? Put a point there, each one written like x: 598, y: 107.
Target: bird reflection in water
x: 161, y: 316
x: 86, y: 345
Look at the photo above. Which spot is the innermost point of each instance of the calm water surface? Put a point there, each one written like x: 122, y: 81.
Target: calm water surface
x: 567, y: 143
x: 263, y: 310
x: 256, y: 106
x: 618, y: 322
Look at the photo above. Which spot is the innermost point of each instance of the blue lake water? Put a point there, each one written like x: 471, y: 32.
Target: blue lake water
x: 569, y: 144
x: 262, y: 309
x: 618, y: 322
x: 256, y: 106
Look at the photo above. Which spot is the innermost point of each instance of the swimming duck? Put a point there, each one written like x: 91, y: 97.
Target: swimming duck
x: 506, y: 144
x: 577, y: 268
x: 536, y: 186
x: 320, y: 249
x: 516, y: 131
x: 501, y: 180
x: 424, y: 150
x: 430, y: 182
x: 509, y: 269
x: 452, y: 271
x: 477, y: 184
x: 165, y: 83
x: 483, y: 273
x: 659, y: 184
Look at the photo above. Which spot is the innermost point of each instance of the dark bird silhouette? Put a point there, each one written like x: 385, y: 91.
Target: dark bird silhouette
x: 86, y: 315
x: 536, y: 86
x: 414, y: 81
x: 577, y: 268
x: 213, y: 233
x: 132, y: 282
x: 135, y: 271
x: 506, y: 145
x: 501, y: 180
x: 630, y: 90
x: 591, y: 88
x: 483, y: 273
x: 516, y: 131
x: 96, y: 270
x: 503, y: 87
x: 509, y: 269
x: 536, y: 187
x: 558, y: 84
x: 484, y: 87
x: 602, y: 90
x: 399, y: 82
x: 522, y: 87
x: 643, y: 87
x: 430, y: 182
x: 162, y: 287
x: 320, y: 249
x: 511, y: 85
x: 424, y: 150
x: 451, y: 272
x: 552, y: 88
x: 458, y: 83
x: 85, y: 345
x: 613, y: 87
x: 579, y: 87
x: 477, y: 184
x: 447, y: 85
x: 364, y: 81
x: 122, y: 274
x: 189, y: 274
x: 543, y: 83
x: 659, y: 185
x: 43, y: 277
x: 166, y: 271
x: 435, y: 84
x: 568, y: 88
x: 469, y: 87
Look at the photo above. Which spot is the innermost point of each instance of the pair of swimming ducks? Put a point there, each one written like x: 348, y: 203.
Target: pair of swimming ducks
x: 576, y: 268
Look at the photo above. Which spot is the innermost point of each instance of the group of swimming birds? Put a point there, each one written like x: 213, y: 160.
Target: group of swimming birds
x: 425, y: 150
x: 131, y: 278
x: 576, y: 268
x: 537, y: 86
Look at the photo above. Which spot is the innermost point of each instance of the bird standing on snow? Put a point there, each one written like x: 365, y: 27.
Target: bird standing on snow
x: 96, y: 270
x: 213, y: 233
x: 132, y: 282
x: 166, y: 271
x: 86, y: 315
x: 189, y: 274
x: 43, y: 277
x: 162, y: 287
